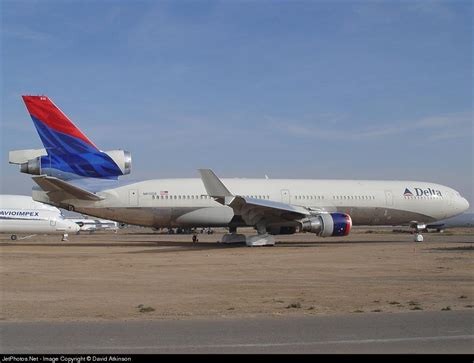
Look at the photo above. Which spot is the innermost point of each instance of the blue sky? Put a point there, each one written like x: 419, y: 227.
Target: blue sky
x: 303, y: 89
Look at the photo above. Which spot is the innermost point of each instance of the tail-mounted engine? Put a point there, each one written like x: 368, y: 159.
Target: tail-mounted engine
x: 327, y: 224
x: 100, y: 164
x: 122, y: 158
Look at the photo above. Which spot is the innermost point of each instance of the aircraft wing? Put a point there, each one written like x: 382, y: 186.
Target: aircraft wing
x: 252, y: 210
x: 58, y: 189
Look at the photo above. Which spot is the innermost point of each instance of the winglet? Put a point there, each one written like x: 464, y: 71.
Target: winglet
x: 214, y: 187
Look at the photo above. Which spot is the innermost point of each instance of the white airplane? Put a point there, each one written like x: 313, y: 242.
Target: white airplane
x: 20, y: 214
x: 91, y: 225
x: 73, y: 173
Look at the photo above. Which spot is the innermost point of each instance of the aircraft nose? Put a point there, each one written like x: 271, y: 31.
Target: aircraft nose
x: 464, y: 204
x: 74, y: 227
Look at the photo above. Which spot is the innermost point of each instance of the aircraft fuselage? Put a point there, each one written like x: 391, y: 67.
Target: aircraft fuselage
x: 185, y: 203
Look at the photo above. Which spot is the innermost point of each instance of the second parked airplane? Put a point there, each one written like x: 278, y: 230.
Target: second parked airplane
x: 73, y: 173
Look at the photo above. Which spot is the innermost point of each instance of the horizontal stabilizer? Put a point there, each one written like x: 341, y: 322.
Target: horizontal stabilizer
x: 51, y: 184
x: 214, y: 187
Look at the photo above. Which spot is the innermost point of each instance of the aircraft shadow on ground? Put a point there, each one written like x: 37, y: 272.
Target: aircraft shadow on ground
x: 165, y: 246
x: 469, y: 248
x: 182, y: 246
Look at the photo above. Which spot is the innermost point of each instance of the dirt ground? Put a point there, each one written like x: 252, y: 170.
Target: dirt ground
x: 138, y: 274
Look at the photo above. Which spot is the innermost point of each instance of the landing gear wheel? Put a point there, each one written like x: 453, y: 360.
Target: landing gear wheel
x: 13, y: 237
x: 418, y: 237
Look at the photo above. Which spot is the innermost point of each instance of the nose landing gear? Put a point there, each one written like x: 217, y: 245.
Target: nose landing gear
x: 418, y: 229
x: 418, y: 237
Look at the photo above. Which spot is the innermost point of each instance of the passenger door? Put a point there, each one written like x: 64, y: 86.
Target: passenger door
x: 285, y: 196
x: 133, y: 197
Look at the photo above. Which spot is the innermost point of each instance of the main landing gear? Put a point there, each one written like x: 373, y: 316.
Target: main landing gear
x: 261, y: 239
x: 418, y: 229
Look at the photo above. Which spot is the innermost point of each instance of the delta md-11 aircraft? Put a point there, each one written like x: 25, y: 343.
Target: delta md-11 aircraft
x: 73, y: 173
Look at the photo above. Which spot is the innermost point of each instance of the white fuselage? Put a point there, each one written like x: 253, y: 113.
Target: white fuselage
x: 21, y: 214
x: 184, y: 202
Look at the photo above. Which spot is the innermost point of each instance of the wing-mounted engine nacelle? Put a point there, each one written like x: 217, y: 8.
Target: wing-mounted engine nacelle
x: 122, y: 158
x: 327, y: 224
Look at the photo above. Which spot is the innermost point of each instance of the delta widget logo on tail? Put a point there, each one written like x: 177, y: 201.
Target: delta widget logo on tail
x: 419, y: 192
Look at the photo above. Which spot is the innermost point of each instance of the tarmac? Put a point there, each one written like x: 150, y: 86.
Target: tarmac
x: 138, y: 291
x: 414, y: 332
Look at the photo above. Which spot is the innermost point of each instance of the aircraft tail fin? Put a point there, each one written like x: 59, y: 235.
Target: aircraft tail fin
x: 70, y: 153
x: 56, y: 130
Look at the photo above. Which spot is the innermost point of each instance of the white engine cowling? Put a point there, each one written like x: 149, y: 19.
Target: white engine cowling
x: 327, y: 224
x: 122, y: 158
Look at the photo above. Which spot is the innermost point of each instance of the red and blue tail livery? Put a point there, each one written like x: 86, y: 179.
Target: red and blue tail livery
x: 70, y: 153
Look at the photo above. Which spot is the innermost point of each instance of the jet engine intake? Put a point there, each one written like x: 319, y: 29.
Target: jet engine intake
x: 327, y: 224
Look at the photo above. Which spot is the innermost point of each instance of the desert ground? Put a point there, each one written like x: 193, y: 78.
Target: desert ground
x: 138, y: 274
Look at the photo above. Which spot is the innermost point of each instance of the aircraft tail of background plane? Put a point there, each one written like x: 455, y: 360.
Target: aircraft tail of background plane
x: 68, y: 154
